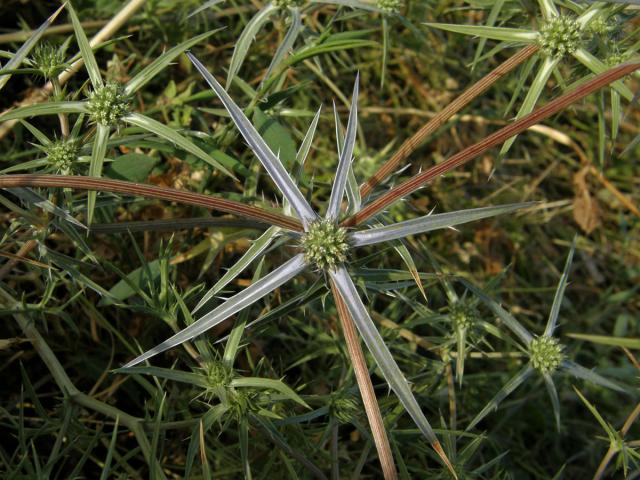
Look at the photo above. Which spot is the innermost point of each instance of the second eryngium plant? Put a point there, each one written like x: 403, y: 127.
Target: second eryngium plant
x: 324, y: 247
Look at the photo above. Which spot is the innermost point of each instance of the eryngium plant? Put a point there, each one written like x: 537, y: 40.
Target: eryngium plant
x: 323, y: 247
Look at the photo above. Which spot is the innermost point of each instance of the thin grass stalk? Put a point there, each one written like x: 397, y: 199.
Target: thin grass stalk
x: 490, y: 141
x: 152, y: 191
x: 369, y: 399
x: 410, y: 145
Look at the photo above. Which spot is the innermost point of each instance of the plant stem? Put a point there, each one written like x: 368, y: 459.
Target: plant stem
x: 22, y: 252
x: 612, y: 448
x: 152, y: 191
x: 410, y: 145
x: 366, y: 389
x: 496, y: 138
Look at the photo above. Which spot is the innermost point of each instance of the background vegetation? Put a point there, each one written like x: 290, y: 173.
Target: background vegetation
x: 95, y: 300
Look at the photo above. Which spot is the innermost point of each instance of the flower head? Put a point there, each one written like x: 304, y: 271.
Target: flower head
x: 282, y: 4
x: 325, y: 244
x: 62, y: 153
x: 545, y: 354
x: 108, y: 104
x: 390, y: 7
x: 48, y: 59
x: 560, y: 35
x: 463, y: 315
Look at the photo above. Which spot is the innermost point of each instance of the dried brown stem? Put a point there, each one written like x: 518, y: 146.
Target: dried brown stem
x: 491, y: 141
x: 152, y: 191
x: 409, y: 146
x: 23, y: 252
x: 366, y: 388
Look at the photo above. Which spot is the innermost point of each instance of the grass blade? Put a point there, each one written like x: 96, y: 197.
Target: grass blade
x: 340, y: 180
x: 49, y: 108
x: 170, y: 134
x: 553, y: 396
x: 494, y: 33
x: 160, y: 63
x: 271, y: 163
x: 429, y: 223
x: 286, y: 45
x: 559, y: 295
x: 589, y: 375
x: 268, y: 383
x: 233, y: 305
x: 85, y: 49
x: 95, y: 167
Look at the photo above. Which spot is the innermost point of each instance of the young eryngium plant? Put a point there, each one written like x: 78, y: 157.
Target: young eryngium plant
x: 323, y: 247
x: 545, y: 352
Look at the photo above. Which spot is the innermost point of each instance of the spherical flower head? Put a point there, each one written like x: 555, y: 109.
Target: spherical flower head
x: 560, y: 36
x: 463, y: 315
x: 282, y: 4
x: 600, y: 26
x: 108, y: 104
x: 48, y: 59
x: 325, y: 244
x: 615, y: 59
x: 390, y: 7
x: 62, y: 153
x: 345, y: 408
x: 218, y: 374
x: 240, y: 402
x: 545, y: 354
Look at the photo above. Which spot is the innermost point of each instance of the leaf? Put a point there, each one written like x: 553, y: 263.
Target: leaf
x: 33, y: 198
x: 559, y: 295
x: 95, y: 167
x: 622, y: 342
x: 48, y: 108
x: 586, y: 211
x: 548, y: 9
x: 429, y: 223
x: 501, y: 313
x: 276, y: 136
x: 286, y: 45
x: 503, y: 393
x: 346, y: 153
x: 194, y: 379
x: 493, y: 33
x: 138, y: 278
x: 268, y: 383
x: 26, y: 47
x: 598, y: 67
x: 245, y: 298
x: 160, y: 63
x: 253, y: 252
x: 553, y: 396
x: 85, y: 49
x: 491, y: 20
x: 204, y: 6
x: 305, y: 146
x: 379, y: 350
x: 270, y: 162
x: 170, y: 134
x: 589, y: 375
x: 134, y: 167
x: 246, y: 37
x: 404, y: 253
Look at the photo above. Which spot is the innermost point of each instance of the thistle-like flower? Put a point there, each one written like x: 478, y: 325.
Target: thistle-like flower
x: 560, y: 35
x: 48, y: 60
x: 545, y: 352
x: 324, y: 245
x: 61, y: 154
x: 390, y: 7
x: 108, y: 104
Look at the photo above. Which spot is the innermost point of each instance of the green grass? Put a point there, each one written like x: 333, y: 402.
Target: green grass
x: 272, y: 392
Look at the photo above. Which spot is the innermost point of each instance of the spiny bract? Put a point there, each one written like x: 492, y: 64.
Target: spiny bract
x: 108, y: 104
x: 325, y: 244
x: 48, y: 59
x: 560, y: 36
x: 545, y: 354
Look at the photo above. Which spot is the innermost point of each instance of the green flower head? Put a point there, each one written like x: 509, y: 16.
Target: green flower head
x: 390, y: 7
x: 325, y: 244
x: 282, y: 4
x: 62, y: 153
x: 345, y: 408
x: 545, y: 354
x: 49, y: 60
x: 108, y: 104
x: 463, y: 315
x: 560, y: 36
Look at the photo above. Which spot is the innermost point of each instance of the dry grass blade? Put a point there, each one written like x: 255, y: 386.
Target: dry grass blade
x: 152, y: 191
x: 491, y: 141
x: 408, y: 147
x: 366, y: 388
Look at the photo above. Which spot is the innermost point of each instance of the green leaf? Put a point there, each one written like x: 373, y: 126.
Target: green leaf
x: 160, y: 63
x: 553, y: 396
x: 277, y: 137
x: 253, y: 252
x: 138, y: 278
x: 491, y: 20
x: 622, y: 342
x: 246, y: 37
x: 49, y: 108
x: 85, y: 49
x: 559, y: 295
x: 589, y: 375
x: 134, y: 167
x: 268, y: 383
x: 548, y: 8
x: 168, y: 374
x: 170, y: 134
x: 287, y: 43
x: 597, y: 67
x: 26, y: 47
x: 95, y: 167
x: 494, y: 33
